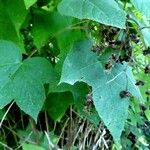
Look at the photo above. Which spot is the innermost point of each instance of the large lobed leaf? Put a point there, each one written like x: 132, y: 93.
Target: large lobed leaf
x: 23, y: 81
x: 82, y: 65
x: 102, y: 11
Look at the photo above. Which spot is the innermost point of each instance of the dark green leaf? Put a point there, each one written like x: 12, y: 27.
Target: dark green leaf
x: 47, y: 24
x: 57, y: 104
x: 11, y: 19
x: 78, y: 90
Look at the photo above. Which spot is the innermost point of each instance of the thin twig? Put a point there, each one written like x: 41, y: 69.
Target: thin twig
x: 9, y: 148
x: 33, y: 52
x: 49, y: 141
x: 79, y: 130
x: 6, y: 113
x: 46, y: 122
x: 144, y: 27
x: 35, y: 131
x: 24, y: 140
x: 86, y: 133
x: 63, y: 130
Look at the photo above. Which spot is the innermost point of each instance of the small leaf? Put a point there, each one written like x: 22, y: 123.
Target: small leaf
x: 57, y: 104
x: 147, y: 114
x: 23, y: 81
x: 106, y: 85
x: 102, y: 11
x: 29, y: 3
x: 31, y: 147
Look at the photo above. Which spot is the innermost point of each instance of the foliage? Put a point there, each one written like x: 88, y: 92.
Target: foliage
x: 74, y: 74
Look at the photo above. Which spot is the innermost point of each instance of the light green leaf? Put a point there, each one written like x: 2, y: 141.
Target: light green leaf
x: 31, y: 147
x: 147, y: 114
x: 102, y: 11
x: 23, y: 81
x: 143, y: 6
x: 29, y: 3
x: 82, y: 65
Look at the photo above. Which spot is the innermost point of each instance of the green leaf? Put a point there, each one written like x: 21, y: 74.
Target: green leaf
x: 7, y: 30
x: 31, y: 147
x: 102, y: 11
x: 23, y: 81
x: 29, y: 3
x: 142, y: 6
x: 78, y: 90
x: 147, y: 114
x: 10, y: 21
x: 145, y: 78
x: 145, y: 31
x: 57, y: 104
x: 13, y: 11
x: 106, y: 85
x: 47, y: 24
